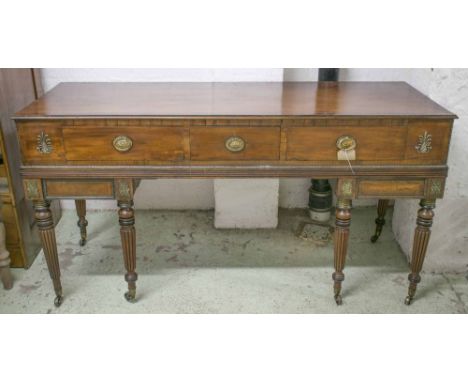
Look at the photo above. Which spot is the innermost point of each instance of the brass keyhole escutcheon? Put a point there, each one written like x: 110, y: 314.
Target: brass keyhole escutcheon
x: 122, y: 143
x: 346, y: 143
x: 235, y: 144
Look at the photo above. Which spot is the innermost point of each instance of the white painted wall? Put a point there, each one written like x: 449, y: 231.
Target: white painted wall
x: 246, y: 203
x: 52, y: 77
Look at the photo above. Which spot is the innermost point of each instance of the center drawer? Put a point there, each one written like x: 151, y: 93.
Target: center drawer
x: 124, y: 143
x: 234, y: 143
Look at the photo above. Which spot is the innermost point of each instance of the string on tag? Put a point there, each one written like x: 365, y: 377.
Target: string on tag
x: 349, y: 163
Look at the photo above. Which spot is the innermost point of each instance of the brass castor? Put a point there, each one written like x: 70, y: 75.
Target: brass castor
x: 338, y: 299
x: 82, y: 242
x: 130, y: 296
x: 374, y: 238
x: 58, y: 301
x: 408, y: 300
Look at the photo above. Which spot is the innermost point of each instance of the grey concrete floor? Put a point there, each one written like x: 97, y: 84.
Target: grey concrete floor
x: 187, y: 266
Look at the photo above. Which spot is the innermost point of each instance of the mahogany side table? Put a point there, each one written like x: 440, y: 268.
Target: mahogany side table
x: 98, y: 140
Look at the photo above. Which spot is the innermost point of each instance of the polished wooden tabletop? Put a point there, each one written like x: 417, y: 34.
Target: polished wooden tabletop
x: 104, y: 99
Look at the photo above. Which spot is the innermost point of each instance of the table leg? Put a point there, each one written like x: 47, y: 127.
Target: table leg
x: 422, y: 234
x: 45, y: 225
x: 82, y: 222
x: 380, y: 221
x: 342, y: 223
x: 128, y: 236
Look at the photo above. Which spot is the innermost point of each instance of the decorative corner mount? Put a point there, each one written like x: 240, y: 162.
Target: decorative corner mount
x: 32, y: 189
x: 436, y: 188
x: 346, y: 188
x: 424, y: 143
x: 44, y: 143
x: 123, y: 189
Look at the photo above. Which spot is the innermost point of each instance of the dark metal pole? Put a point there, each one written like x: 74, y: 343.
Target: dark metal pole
x: 328, y: 74
x: 320, y: 193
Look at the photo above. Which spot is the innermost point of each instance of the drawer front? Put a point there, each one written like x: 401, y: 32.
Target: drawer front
x: 41, y: 142
x: 372, y: 143
x: 376, y: 187
x: 124, y: 144
x: 391, y: 188
x: 79, y: 189
x: 428, y: 140
x: 234, y: 143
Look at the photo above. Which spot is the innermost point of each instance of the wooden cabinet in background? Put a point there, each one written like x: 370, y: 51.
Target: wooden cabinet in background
x: 18, y: 88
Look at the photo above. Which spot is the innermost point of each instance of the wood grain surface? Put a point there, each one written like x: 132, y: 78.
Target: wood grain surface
x: 80, y: 100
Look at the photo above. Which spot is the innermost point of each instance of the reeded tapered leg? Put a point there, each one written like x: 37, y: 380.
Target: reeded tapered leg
x: 342, y: 223
x: 380, y: 221
x: 422, y: 234
x: 127, y: 234
x: 46, y: 229
x: 82, y: 222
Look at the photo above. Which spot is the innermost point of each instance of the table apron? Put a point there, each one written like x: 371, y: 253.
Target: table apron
x: 232, y: 171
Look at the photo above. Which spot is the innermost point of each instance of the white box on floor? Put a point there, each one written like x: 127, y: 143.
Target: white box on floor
x: 246, y: 203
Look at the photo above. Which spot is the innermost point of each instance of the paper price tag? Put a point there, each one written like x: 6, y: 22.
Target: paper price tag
x: 346, y: 154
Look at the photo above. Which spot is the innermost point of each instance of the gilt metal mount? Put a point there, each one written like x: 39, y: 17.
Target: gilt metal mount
x: 346, y: 143
x: 44, y: 143
x: 235, y: 144
x: 424, y: 144
x: 122, y: 143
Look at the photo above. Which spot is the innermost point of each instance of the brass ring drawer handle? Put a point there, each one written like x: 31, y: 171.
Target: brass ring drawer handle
x: 122, y: 143
x: 234, y: 144
x: 346, y: 143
